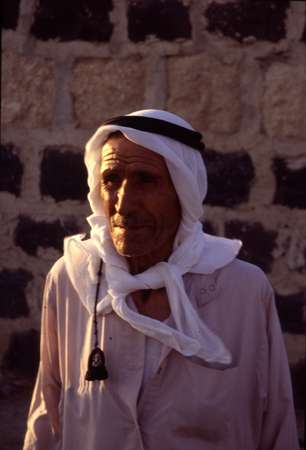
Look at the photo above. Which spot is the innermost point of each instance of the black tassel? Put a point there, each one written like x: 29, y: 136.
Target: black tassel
x: 96, y: 362
x: 96, y: 366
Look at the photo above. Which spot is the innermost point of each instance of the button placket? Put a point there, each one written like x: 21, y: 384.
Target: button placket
x: 207, y: 289
x: 212, y: 287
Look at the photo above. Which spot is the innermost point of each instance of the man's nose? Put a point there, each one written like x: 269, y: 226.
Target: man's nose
x: 126, y: 198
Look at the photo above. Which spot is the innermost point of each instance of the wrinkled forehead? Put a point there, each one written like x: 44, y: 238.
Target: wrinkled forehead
x: 118, y: 150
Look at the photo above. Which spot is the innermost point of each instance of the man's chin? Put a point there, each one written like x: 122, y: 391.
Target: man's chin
x: 132, y: 243
x: 132, y: 250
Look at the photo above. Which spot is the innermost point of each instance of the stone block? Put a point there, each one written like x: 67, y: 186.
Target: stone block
x: 22, y: 356
x: 205, y: 92
x: 13, y: 284
x: 292, y: 245
x: 63, y: 175
x: 230, y: 178
x: 290, y: 182
x: 291, y: 312
x: 105, y: 88
x: 9, y: 14
x: 209, y: 227
x: 295, y: 346
x: 11, y: 169
x: 165, y: 19
x: 242, y: 19
x: 303, y: 39
x: 30, y: 234
x: 258, y: 243
x: 298, y: 375
x: 73, y: 20
x: 284, y: 105
x: 28, y: 91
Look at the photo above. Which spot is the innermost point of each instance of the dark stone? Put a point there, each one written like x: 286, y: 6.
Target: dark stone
x: 303, y: 39
x: 12, y: 293
x: 29, y: 235
x: 9, y: 14
x: 230, y: 177
x: 166, y: 19
x: 265, y: 20
x: 209, y: 228
x: 22, y: 356
x: 11, y: 169
x: 290, y: 185
x: 290, y: 310
x: 85, y: 20
x: 63, y: 175
x: 258, y: 243
x: 298, y: 376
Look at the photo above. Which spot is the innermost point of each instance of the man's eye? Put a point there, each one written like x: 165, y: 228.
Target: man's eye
x: 146, y: 178
x: 110, y: 180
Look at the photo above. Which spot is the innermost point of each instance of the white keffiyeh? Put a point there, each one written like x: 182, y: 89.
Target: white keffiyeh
x: 193, y: 250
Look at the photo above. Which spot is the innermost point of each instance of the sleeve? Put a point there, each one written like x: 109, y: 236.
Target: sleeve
x: 279, y: 423
x: 43, y: 430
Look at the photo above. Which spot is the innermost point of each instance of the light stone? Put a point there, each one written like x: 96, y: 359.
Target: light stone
x: 28, y: 91
x: 105, y: 88
x: 205, y: 92
x: 284, y: 101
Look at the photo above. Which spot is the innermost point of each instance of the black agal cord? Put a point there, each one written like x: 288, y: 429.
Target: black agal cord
x: 184, y: 135
x: 96, y: 362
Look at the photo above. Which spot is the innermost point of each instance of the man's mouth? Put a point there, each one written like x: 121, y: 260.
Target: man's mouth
x: 130, y: 224
x: 130, y: 227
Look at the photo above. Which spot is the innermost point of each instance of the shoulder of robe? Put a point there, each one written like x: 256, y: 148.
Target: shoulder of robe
x: 247, y: 279
x: 59, y: 270
x: 238, y: 268
x: 73, y: 275
x: 239, y: 282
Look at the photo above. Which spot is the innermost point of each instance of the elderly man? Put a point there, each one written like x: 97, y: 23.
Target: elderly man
x: 154, y: 336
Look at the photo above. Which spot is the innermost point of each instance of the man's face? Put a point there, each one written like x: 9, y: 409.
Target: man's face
x: 138, y: 198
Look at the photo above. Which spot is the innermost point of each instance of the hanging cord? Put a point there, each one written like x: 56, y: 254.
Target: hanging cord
x: 96, y: 302
x: 96, y: 362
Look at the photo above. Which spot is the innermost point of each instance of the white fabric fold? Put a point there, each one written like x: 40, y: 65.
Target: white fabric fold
x: 193, y: 250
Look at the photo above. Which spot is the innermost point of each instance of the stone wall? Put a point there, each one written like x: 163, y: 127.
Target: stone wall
x: 235, y: 69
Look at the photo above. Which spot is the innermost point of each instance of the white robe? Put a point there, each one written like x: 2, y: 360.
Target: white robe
x: 185, y: 405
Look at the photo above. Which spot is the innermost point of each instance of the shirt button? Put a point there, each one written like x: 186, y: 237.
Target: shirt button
x: 203, y: 291
x: 212, y: 287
